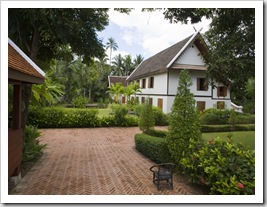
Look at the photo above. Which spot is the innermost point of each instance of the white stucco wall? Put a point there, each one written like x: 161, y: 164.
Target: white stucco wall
x: 191, y: 56
x: 160, y: 85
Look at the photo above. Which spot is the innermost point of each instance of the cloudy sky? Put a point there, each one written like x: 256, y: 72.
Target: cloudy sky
x: 145, y: 33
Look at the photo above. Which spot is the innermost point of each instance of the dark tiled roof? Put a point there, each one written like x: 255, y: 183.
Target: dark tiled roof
x: 118, y: 79
x: 159, y: 62
x: 17, y: 62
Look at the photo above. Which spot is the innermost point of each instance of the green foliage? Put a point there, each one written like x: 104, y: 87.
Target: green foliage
x: 232, y: 118
x: 226, y: 168
x: 146, y: 119
x: 119, y: 112
x: 216, y: 117
x: 62, y: 118
x: 32, y: 146
x: 184, y: 121
x: 53, y: 27
x: 80, y: 102
x: 161, y: 119
x: 154, y: 148
x: 227, y: 128
x: 157, y: 133
x: 246, y: 138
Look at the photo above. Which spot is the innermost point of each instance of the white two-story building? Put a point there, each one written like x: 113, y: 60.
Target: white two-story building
x: 158, y: 76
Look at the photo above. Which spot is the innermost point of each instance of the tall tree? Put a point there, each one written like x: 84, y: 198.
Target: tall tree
x: 231, y: 40
x: 127, y: 65
x: 117, y: 68
x: 112, y: 46
x: 38, y: 32
x: 137, y: 60
x: 184, y: 124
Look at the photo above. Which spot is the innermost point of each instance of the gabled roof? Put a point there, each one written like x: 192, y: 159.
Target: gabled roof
x: 117, y: 79
x: 21, y: 67
x: 165, y: 59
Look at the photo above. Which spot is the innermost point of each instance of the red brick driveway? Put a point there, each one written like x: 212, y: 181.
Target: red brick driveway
x: 94, y: 161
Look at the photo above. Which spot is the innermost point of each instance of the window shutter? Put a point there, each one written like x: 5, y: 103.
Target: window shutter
x: 225, y: 91
x: 198, y: 84
x: 218, y: 91
x: 149, y: 82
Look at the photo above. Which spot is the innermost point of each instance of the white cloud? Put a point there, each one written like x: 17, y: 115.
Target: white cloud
x: 151, y: 31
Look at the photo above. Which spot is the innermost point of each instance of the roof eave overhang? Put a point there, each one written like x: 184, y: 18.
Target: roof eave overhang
x: 16, y: 76
x: 147, y: 75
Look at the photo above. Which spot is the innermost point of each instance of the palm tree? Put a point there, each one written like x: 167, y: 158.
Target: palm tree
x: 116, y: 90
x: 118, y: 65
x: 127, y: 65
x: 112, y: 45
x: 138, y: 59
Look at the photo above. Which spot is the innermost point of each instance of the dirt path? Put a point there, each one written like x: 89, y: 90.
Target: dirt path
x: 93, y: 161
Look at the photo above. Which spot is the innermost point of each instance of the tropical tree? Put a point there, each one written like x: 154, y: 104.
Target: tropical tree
x: 112, y: 46
x: 231, y: 41
x: 39, y: 31
x: 117, y: 68
x: 184, y: 124
x: 137, y: 60
x: 127, y: 65
x: 130, y: 90
x: 116, y: 90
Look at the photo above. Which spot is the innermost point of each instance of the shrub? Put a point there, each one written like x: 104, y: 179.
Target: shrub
x: 232, y: 118
x: 154, y: 148
x: 227, y: 128
x: 80, y: 102
x: 157, y: 133
x: 214, y: 116
x: 225, y: 167
x: 119, y: 112
x: 62, y: 118
x: 161, y: 119
x: 184, y: 120
x: 31, y: 146
x: 146, y: 119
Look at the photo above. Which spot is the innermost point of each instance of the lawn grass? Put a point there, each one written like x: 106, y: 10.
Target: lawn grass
x: 246, y: 138
x: 104, y: 112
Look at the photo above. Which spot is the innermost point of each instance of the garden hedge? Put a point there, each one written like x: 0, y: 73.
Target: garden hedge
x: 74, y: 118
x: 227, y: 128
x: 154, y: 148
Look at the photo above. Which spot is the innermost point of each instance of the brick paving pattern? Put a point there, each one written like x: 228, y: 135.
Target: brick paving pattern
x: 94, y: 161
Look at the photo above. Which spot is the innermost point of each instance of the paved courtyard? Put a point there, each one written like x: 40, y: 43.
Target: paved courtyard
x: 93, y: 161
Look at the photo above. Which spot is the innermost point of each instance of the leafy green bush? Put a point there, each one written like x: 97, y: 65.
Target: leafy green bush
x: 227, y: 128
x: 244, y: 118
x: 146, y: 119
x: 119, y: 112
x: 32, y: 146
x: 154, y: 148
x: 161, y: 119
x: 225, y: 167
x: 214, y: 116
x: 157, y: 133
x: 62, y: 118
x: 80, y: 102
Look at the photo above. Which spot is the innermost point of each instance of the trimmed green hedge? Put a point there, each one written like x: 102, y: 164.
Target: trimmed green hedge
x: 156, y: 133
x: 74, y: 118
x: 227, y: 128
x: 154, y: 148
x: 216, y: 117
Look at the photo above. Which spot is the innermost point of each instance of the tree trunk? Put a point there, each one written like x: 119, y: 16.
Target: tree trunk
x: 27, y: 88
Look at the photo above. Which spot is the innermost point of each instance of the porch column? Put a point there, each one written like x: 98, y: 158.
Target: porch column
x: 17, y: 95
